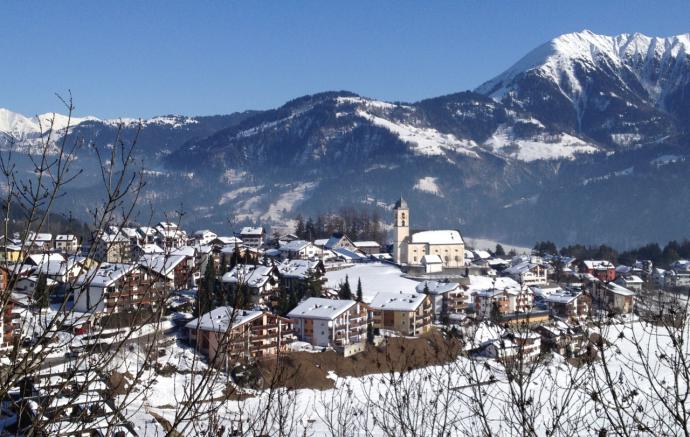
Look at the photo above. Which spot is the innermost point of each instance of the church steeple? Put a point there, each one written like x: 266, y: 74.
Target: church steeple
x: 401, y: 230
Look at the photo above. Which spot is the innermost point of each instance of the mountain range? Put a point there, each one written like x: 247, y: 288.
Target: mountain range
x: 585, y: 139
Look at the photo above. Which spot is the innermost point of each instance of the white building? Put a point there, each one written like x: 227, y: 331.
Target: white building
x: 326, y: 322
x: 67, y: 243
x: 252, y: 236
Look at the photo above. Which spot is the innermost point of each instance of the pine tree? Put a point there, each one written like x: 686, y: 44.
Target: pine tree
x: 370, y: 330
x: 313, y: 283
x: 41, y: 296
x: 345, y: 292
x: 209, y: 286
x: 359, y: 289
x: 499, y: 251
x: 299, y: 228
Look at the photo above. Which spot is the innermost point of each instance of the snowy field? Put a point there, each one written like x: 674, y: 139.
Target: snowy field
x: 375, y: 277
x: 489, y: 244
x: 425, y: 398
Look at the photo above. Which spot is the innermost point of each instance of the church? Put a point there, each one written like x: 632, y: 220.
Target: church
x: 425, y: 251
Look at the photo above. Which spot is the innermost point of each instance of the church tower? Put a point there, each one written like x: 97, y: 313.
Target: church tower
x: 401, y: 231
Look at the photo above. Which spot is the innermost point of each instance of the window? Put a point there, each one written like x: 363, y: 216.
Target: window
x: 446, y: 258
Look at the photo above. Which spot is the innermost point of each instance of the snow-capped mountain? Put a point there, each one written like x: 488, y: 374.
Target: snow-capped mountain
x: 623, y: 91
x: 583, y: 140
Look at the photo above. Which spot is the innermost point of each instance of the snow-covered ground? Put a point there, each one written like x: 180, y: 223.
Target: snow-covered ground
x: 428, y: 184
x: 489, y: 244
x: 375, y: 277
x: 359, y: 403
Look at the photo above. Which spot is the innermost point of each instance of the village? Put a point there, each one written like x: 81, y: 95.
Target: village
x: 246, y: 298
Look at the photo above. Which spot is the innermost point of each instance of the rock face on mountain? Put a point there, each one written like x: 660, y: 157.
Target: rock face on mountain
x: 585, y: 139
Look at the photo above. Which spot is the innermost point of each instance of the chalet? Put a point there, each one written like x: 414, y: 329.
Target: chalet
x: 146, y: 249
x: 631, y: 282
x: 613, y: 297
x: 204, y: 236
x: 62, y: 271
x: 285, y: 239
x: 253, y: 236
x: 528, y: 273
x: 448, y: 299
x: 169, y: 235
x: 603, y: 270
x: 407, y: 314
x: 67, y: 243
x: 262, y: 281
x: 368, y: 247
x: 326, y: 322
x: 293, y: 273
x: 299, y: 249
x: 497, y: 304
x: 112, y: 288
x: 147, y: 235
x: 111, y: 248
x: 512, y: 348
x: 27, y: 285
x: 658, y: 277
x: 569, y: 305
x: 563, y: 338
x: 174, y: 271
x: 39, y: 242
x: 227, y: 335
x: 11, y: 252
x: 340, y: 241
x: 677, y: 279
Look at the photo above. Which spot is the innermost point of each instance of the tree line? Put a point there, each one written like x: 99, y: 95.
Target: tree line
x: 356, y: 223
x: 661, y: 256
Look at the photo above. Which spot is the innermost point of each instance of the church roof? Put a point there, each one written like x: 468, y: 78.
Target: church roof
x: 401, y: 203
x: 437, y: 237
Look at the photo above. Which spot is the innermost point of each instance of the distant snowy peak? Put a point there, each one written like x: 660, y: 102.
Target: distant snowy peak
x: 645, y: 56
x: 19, y: 126
x: 174, y: 121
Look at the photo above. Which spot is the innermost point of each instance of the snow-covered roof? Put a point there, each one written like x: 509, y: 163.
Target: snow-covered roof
x: 150, y: 248
x: 252, y: 231
x: 205, y: 233
x: 617, y: 289
x: 320, y: 308
x: 187, y: 251
x: 296, y: 268
x: 222, y: 319
x: 561, y: 297
x: 437, y: 287
x: 41, y: 236
x: 56, y: 267
x: 437, y: 237
x: 431, y: 259
x: 40, y: 258
x: 294, y: 246
x: 161, y: 264
x: 483, y: 254
x: 253, y: 276
x: 66, y: 237
x: 366, y: 244
x: 597, y: 264
x: 349, y: 254
x: 545, y: 291
x: 228, y: 240
x: 632, y: 279
x: 401, y: 301
x: 521, y: 268
x: 321, y: 242
x: 105, y: 274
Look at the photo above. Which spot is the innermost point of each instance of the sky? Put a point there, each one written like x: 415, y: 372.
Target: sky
x: 141, y: 59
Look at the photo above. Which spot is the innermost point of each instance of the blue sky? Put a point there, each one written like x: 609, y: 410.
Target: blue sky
x: 139, y: 59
